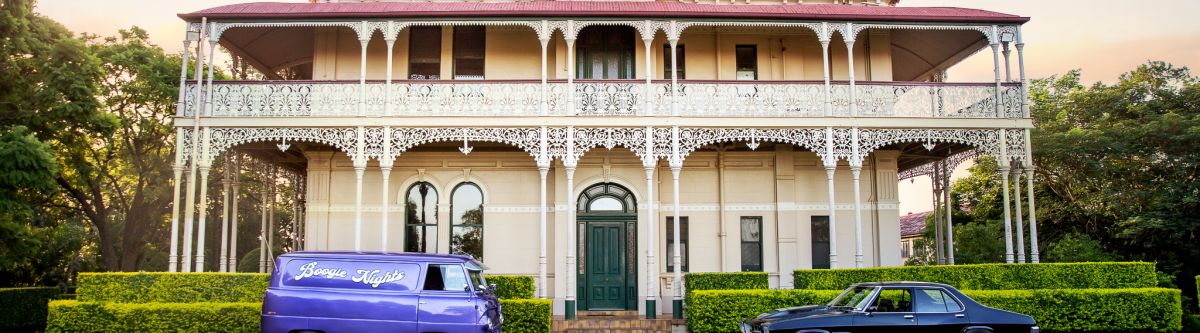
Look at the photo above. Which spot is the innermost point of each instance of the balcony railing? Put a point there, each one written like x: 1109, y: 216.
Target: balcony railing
x: 606, y: 98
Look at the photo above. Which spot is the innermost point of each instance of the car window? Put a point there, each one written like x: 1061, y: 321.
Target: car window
x: 445, y: 277
x: 854, y: 297
x: 894, y: 300
x: 477, y: 279
x: 936, y: 300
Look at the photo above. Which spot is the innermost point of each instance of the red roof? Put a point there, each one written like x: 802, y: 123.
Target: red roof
x: 647, y: 9
x: 913, y: 225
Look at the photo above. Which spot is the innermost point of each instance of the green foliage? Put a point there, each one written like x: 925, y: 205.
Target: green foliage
x: 1191, y: 323
x: 1075, y: 247
x: 526, y: 315
x: 76, y: 316
x: 721, y: 310
x: 512, y: 286
x: 171, y: 287
x: 1075, y: 310
x: 724, y: 281
x: 993, y: 276
x: 24, y: 309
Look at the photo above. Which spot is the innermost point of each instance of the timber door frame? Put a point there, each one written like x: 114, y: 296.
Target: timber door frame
x: 627, y: 217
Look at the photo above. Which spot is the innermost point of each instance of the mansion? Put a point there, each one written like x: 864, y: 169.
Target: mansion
x: 603, y: 147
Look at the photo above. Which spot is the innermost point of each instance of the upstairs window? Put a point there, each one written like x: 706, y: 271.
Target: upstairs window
x: 747, y: 62
x: 469, y: 45
x: 425, y: 53
x: 679, y: 62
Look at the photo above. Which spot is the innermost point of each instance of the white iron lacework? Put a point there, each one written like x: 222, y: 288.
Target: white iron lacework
x: 809, y: 26
x: 986, y: 30
x: 662, y: 144
x: 526, y: 139
x: 633, y: 138
x: 843, y: 146
x: 223, y: 139
x: 185, y: 145
x: 987, y: 141
x: 927, y: 169
x: 691, y: 139
x: 741, y: 99
x: 469, y: 99
x: 373, y: 143
x: 1016, y: 145
x: 610, y: 99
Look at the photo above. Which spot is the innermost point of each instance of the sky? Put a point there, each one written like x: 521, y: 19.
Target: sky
x: 1104, y: 38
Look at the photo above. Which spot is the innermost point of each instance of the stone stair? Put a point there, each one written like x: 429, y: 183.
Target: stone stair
x: 612, y: 322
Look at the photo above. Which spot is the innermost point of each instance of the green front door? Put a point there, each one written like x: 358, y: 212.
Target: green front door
x: 605, y: 271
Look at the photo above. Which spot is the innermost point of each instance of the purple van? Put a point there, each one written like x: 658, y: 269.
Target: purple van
x: 327, y: 292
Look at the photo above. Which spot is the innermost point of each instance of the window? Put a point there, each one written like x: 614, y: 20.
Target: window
x: 420, y: 218
x: 752, y: 244
x: 477, y: 279
x: 446, y: 278
x: 894, y: 300
x: 667, y: 62
x: 425, y: 53
x: 466, y: 220
x: 936, y: 300
x: 820, y: 242
x: 469, y: 44
x: 683, y: 243
x: 605, y: 53
x: 747, y: 62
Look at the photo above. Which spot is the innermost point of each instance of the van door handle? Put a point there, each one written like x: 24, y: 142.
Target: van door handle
x: 421, y: 302
x: 908, y: 317
x: 960, y: 315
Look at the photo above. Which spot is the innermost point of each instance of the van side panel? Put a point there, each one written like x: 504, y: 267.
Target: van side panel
x: 340, y: 295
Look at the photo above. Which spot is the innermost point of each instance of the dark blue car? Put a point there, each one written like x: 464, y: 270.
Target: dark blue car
x: 894, y: 307
x: 326, y: 292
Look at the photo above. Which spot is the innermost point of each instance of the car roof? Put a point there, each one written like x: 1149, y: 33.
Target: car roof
x: 382, y: 256
x: 902, y: 284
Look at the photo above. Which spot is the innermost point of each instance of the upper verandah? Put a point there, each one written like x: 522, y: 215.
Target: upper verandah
x: 645, y: 9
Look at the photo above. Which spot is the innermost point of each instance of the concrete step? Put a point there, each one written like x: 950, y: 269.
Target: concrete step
x: 609, y: 314
x: 611, y: 323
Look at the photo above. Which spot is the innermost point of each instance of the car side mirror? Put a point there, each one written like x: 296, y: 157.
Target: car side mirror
x: 872, y: 309
x: 492, y: 287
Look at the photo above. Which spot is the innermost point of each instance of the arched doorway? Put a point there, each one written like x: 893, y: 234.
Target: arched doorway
x: 607, y: 272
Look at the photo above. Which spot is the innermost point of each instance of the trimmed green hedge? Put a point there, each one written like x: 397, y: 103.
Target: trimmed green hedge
x: 993, y: 276
x: 24, y: 309
x: 512, y: 286
x: 1090, y: 310
x: 725, y: 281
x: 721, y: 310
x: 1056, y: 310
x: 1198, y: 288
x: 171, y: 287
x: 526, y: 315
x: 75, y: 316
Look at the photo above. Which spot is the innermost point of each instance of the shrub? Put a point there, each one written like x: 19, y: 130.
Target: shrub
x: 76, y: 316
x: 721, y: 310
x: 525, y: 315
x: 512, y: 286
x: 24, y: 309
x: 171, y: 287
x: 1073, y: 310
x: 725, y: 281
x: 993, y: 276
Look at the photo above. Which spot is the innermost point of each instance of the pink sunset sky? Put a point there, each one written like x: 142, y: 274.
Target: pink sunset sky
x: 1103, y: 37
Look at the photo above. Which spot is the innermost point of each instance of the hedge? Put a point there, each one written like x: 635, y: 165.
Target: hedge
x: 993, y: 276
x: 526, y: 315
x: 512, y: 286
x: 24, y: 309
x: 1056, y: 310
x: 171, y: 287
x: 721, y: 310
x: 725, y: 281
x: 75, y: 316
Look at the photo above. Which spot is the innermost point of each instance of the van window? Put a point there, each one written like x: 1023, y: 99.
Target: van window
x: 477, y: 279
x: 445, y: 277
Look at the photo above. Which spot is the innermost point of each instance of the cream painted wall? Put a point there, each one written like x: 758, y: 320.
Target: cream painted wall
x: 513, y: 53
x: 786, y: 195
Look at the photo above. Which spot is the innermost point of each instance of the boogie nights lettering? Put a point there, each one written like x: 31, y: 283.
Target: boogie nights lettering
x: 373, y: 279
x: 311, y: 270
x: 370, y: 277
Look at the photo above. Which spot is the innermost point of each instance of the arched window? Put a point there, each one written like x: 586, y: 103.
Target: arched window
x: 466, y: 219
x: 420, y: 218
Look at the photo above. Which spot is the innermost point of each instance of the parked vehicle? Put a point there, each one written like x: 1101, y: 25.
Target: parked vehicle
x: 894, y: 307
x: 378, y: 292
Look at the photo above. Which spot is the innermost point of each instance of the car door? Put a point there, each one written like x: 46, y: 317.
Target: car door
x: 938, y: 311
x: 447, y: 302
x: 891, y: 311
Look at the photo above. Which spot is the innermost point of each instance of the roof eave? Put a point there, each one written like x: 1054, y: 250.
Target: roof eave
x: 196, y: 16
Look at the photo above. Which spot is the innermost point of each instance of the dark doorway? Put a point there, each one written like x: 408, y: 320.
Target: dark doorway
x: 820, y: 242
x: 607, y: 267
x: 605, y: 53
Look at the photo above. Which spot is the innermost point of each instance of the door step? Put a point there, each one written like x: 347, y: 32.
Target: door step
x: 612, y: 322
x: 609, y: 314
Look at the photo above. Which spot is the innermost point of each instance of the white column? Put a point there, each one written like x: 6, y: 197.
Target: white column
x: 572, y: 270
x: 223, y: 260
x: 856, y: 171
x: 949, y: 211
x: 650, y: 164
x: 569, y: 36
x: 203, y: 209
x: 676, y: 166
x: 545, y: 42
x: 1020, y: 220
x: 648, y: 103
x: 173, y: 257
x: 674, y: 41
x: 360, y: 166
x: 390, y: 39
x: 1033, y: 235
x: 1024, y: 87
x: 543, y: 163
x: 1007, y: 63
x: 849, y: 37
x: 830, y: 167
x: 262, y: 231
x: 364, y: 37
x: 1002, y: 161
x: 824, y: 38
x: 237, y: 191
x: 270, y: 235
x: 996, y: 68
x: 195, y: 152
x: 385, y: 165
